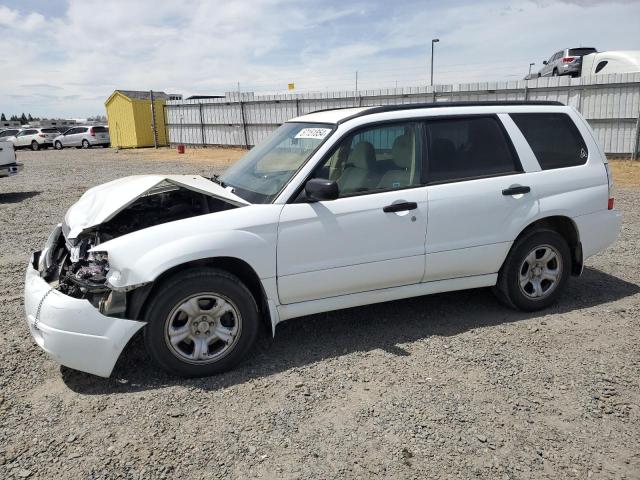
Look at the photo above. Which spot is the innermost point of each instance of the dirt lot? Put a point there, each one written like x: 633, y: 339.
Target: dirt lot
x: 446, y: 386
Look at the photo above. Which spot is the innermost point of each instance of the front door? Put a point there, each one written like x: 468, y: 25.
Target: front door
x: 371, y: 237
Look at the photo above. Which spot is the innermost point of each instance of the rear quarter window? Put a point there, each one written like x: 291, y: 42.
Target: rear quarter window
x: 554, y: 139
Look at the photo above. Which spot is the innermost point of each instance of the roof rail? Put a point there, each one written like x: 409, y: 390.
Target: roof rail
x: 412, y: 106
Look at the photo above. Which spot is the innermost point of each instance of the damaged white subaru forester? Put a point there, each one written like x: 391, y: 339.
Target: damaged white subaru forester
x: 336, y: 209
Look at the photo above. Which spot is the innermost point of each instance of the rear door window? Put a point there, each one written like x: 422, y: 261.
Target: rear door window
x: 468, y: 147
x: 554, y: 139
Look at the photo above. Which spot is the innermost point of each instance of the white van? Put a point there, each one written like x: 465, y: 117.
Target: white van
x: 622, y: 61
x: 335, y: 209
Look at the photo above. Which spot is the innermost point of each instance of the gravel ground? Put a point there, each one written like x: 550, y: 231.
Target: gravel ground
x: 446, y: 386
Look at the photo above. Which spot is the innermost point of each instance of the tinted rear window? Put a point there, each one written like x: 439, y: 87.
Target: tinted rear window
x: 578, y: 52
x: 554, y: 139
x: 100, y: 129
x: 50, y: 130
x: 471, y: 147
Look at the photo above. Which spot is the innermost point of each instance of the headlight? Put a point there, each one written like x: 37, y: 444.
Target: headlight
x: 46, y: 257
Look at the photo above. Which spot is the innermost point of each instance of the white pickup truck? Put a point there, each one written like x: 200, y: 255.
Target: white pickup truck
x: 8, y: 164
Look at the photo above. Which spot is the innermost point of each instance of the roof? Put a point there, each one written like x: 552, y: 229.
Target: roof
x: 341, y: 115
x: 330, y: 116
x: 142, y: 95
x: 138, y: 95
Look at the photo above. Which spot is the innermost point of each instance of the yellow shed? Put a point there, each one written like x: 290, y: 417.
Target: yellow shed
x: 129, y: 117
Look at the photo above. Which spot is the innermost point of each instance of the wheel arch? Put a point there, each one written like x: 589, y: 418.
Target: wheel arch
x: 566, y: 227
x: 138, y: 299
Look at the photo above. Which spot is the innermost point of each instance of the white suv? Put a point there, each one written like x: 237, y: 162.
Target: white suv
x: 336, y: 209
x: 34, y: 138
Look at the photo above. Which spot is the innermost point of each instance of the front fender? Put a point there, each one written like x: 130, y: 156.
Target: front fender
x: 142, y: 256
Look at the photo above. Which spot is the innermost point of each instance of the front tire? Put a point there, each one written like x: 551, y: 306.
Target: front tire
x: 535, y: 272
x: 58, y: 146
x: 201, y: 322
x: 35, y: 146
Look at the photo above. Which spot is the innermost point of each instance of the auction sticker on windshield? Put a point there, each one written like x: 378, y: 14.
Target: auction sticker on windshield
x: 318, y: 133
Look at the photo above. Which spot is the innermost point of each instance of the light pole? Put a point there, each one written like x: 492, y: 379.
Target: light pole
x: 526, y: 83
x: 433, y: 41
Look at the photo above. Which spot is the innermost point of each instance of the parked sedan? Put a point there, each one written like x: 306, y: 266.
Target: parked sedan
x: 83, y: 137
x: 34, y: 138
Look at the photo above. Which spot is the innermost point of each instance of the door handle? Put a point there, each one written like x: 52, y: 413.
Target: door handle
x: 400, y: 207
x: 516, y: 190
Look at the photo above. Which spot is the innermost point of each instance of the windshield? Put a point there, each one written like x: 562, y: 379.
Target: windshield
x: 260, y: 175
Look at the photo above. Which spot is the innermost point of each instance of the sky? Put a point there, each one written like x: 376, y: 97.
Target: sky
x: 64, y: 58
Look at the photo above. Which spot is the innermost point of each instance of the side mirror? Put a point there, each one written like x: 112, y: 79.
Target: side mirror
x: 544, y: 62
x: 318, y: 189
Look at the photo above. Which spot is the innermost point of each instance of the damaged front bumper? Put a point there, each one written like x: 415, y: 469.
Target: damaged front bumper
x: 71, y: 330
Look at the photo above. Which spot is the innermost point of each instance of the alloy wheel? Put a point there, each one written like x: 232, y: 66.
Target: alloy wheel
x: 540, y: 272
x: 203, y: 328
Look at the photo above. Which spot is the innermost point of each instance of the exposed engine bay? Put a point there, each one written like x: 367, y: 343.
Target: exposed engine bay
x: 70, y: 267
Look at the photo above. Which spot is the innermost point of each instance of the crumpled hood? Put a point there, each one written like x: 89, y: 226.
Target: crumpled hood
x: 100, y: 204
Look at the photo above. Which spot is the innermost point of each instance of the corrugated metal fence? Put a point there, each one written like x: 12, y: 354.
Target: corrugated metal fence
x: 611, y: 104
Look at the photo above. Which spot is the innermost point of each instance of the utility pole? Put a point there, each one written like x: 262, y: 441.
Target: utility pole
x: 153, y: 121
x: 356, y: 80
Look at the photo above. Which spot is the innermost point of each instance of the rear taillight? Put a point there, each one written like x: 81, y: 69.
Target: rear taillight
x: 91, y: 132
x: 568, y: 59
x: 41, y: 135
x: 610, y: 186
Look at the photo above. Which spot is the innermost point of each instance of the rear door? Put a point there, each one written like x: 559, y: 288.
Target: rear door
x: 101, y: 134
x: 478, y: 195
x: 49, y: 134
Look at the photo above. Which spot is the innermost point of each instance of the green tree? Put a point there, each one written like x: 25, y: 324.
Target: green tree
x: 30, y: 118
x: 14, y: 118
x: 3, y: 118
x: 23, y: 118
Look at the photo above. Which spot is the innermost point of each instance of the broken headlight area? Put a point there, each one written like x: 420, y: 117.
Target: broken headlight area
x: 69, y: 265
x: 79, y: 273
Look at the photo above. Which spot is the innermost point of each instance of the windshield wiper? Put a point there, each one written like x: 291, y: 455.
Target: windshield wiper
x: 216, y: 179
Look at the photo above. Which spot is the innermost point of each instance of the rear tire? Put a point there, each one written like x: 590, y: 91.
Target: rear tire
x: 535, y: 272
x: 86, y: 144
x: 200, y: 322
x: 35, y: 146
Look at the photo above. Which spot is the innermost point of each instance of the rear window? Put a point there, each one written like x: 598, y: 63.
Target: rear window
x: 50, y: 130
x: 100, y: 129
x: 554, y: 139
x: 463, y: 148
x: 578, y: 52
